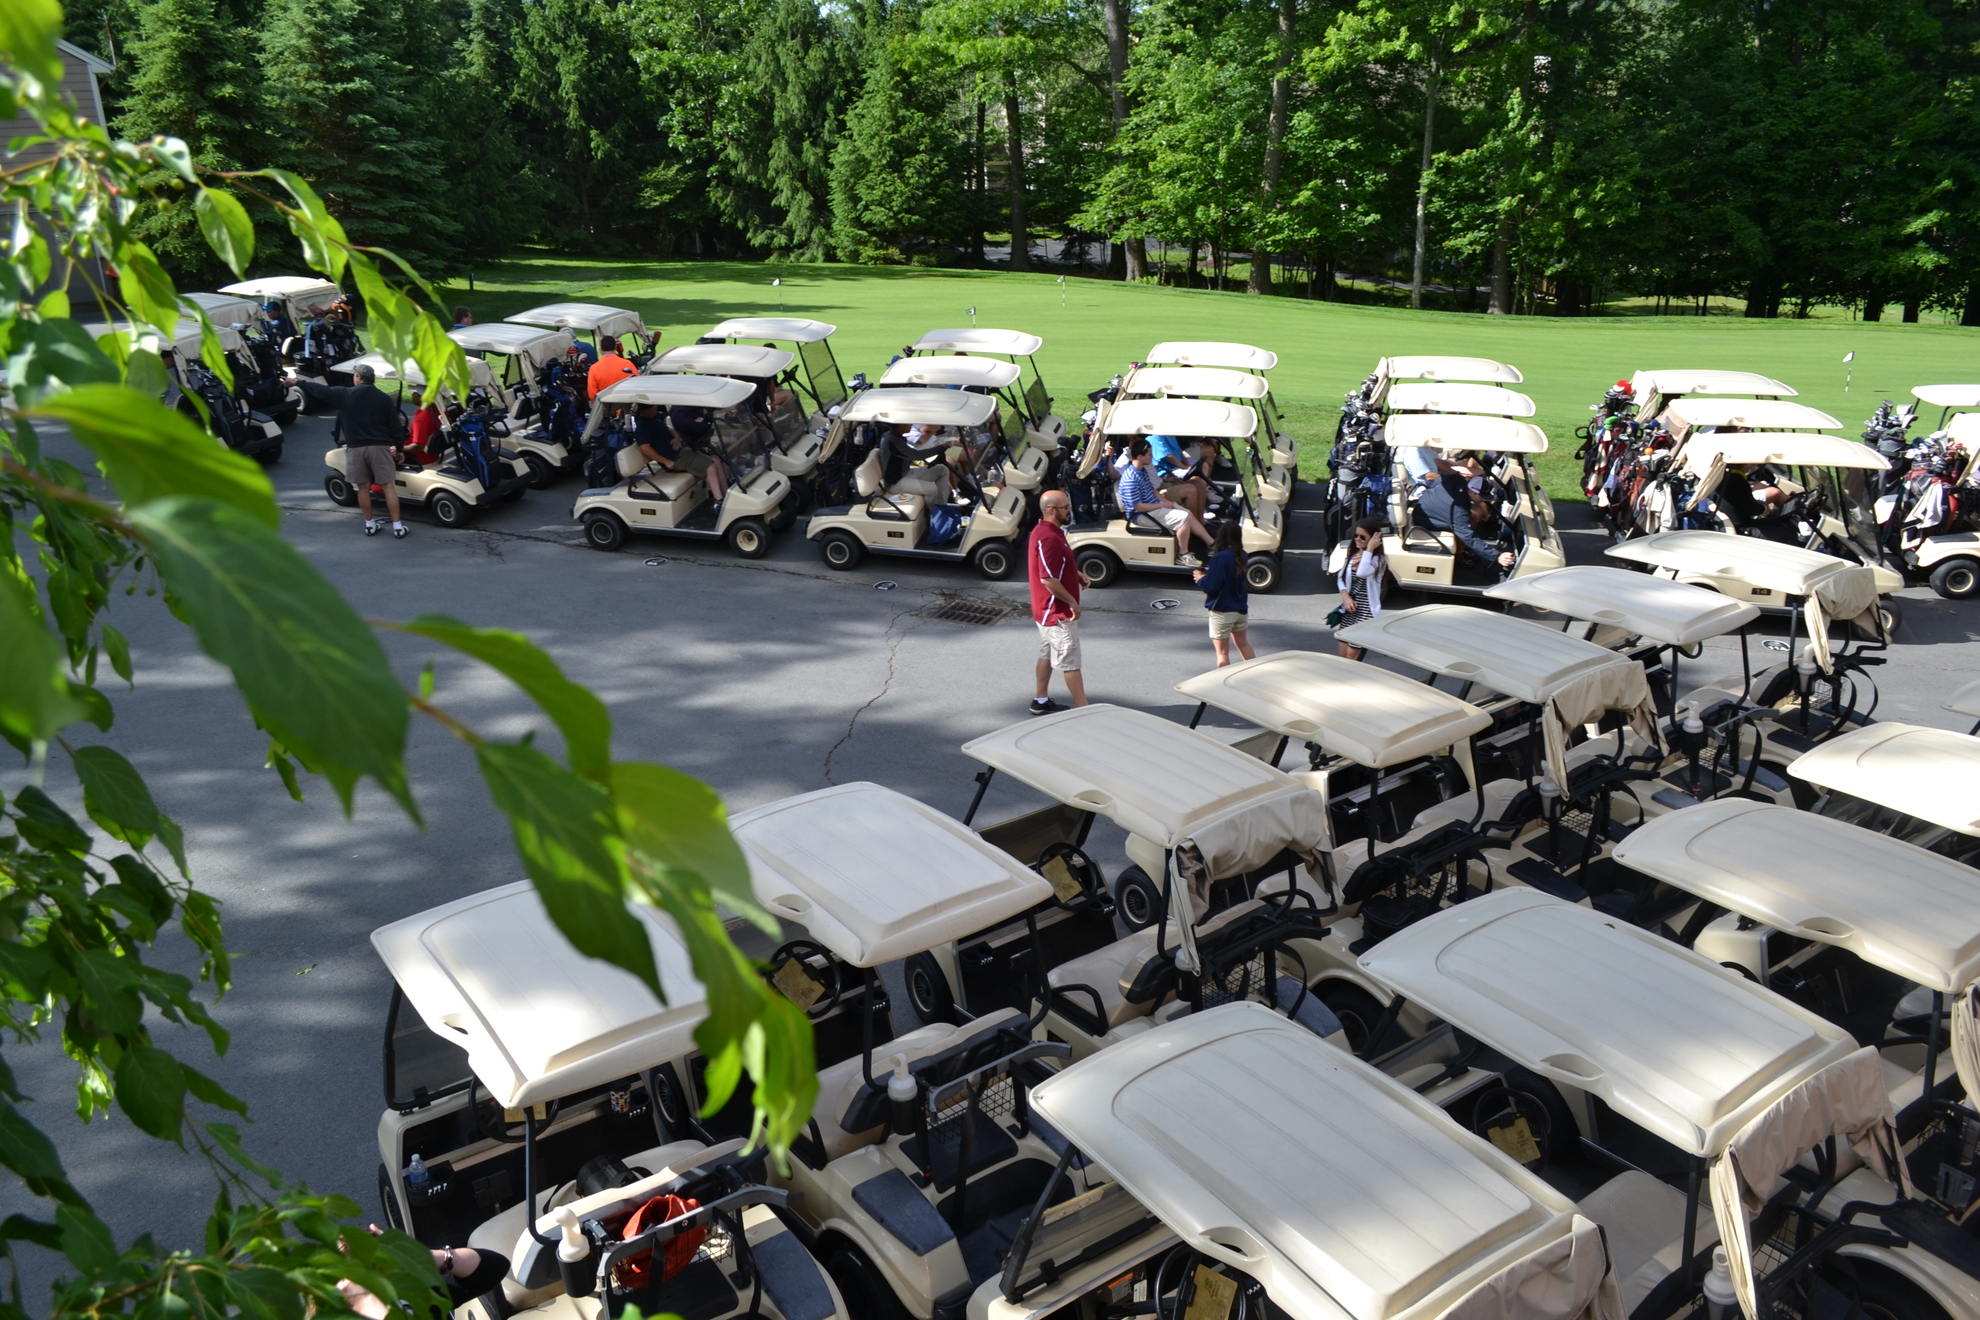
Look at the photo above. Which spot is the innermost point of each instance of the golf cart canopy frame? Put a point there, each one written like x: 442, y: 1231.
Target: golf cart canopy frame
x: 1194, y: 382
x: 1761, y: 414
x: 1370, y: 715
x: 1669, y: 1039
x: 874, y: 875
x: 796, y: 329
x: 666, y: 392
x: 1806, y: 875
x: 1663, y: 611
x: 1503, y: 435
x: 491, y: 974
x: 973, y: 372
x: 598, y: 318
x: 1948, y: 396
x: 1668, y: 383
x: 1210, y: 418
x: 532, y: 342
x: 1314, y: 1177
x: 745, y: 360
x: 1483, y: 370
x: 1211, y: 353
x: 1156, y: 779
x: 1010, y: 343
x: 1933, y: 774
x: 920, y: 407
x: 1457, y: 397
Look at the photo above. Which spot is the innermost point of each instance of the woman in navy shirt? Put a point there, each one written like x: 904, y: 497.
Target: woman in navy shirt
x: 1224, y: 594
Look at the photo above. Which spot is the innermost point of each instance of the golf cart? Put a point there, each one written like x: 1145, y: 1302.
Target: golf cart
x: 1246, y: 360
x: 528, y: 354
x: 468, y: 472
x: 1275, y: 481
x: 1229, y: 1164
x: 1029, y: 451
x: 649, y: 498
x: 1903, y: 780
x: 539, y: 1101
x: 793, y: 448
x: 986, y: 516
x: 595, y: 321
x: 1425, y: 558
x: 257, y: 364
x: 820, y: 386
x: 1105, y: 541
x: 1924, y: 513
x: 484, y: 416
x: 922, y: 1151
x: 310, y: 316
x: 1653, y: 1062
x: 1654, y: 391
x: 1015, y: 347
x: 222, y: 413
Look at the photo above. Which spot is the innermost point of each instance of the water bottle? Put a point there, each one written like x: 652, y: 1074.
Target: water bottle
x: 1721, y: 1298
x: 416, y: 1175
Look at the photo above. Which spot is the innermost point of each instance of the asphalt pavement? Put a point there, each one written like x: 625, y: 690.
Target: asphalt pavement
x: 765, y: 678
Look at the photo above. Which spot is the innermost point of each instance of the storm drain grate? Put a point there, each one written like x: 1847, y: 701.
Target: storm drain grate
x: 976, y: 611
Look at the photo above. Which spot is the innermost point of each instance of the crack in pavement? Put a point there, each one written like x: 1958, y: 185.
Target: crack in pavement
x: 893, y: 654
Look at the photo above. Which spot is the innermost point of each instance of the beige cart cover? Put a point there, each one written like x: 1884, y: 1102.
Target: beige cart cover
x: 1672, y: 613
x: 1933, y: 774
x: 1568, y: 1279
x: 1847, y: 1099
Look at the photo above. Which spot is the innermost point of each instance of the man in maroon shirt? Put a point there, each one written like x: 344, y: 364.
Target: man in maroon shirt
x: 1055, y: 585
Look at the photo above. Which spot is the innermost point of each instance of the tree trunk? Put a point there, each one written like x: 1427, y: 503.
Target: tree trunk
x: 1501, y: 304
x: 1911, y: 311
x: 1014, y: 136
x: 981, y: 184
x: 1423, y: 184
x: 1970, y: 314
x: 1190, y: 275
x: 1275, y: 141
x: 1323, y: 277
x: 1117, y: 16
x: 1763, y: 300
x: 1873, y: 306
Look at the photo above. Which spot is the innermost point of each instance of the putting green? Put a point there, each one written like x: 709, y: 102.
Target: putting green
x: 1324, y: 348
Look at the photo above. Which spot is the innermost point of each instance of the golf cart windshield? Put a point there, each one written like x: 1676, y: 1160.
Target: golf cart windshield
x: 1663, y: 611
x: 821, y: 373
x: 821, y: 370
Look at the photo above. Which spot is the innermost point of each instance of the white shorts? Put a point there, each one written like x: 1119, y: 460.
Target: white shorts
x: 1225, y: 622
x: 1059, y: 643
x: 1173, y: 519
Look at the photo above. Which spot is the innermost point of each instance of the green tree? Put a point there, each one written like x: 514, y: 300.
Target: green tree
x: 799, y: 64
x: 897, y: 170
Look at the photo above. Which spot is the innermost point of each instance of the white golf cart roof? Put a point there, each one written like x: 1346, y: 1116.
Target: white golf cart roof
x: 1668, y: 1039
x: 749, y: 360
x: 874, y: 875
x: 1212, y: 353
x: 1013, y: 343
x: 1345, y: 1194
x: 595, y: 317
x: 793, y: 328
x: 529, y: 341
x: 1673, y: 613
x: 1502, y: 435
x: 1788, y: 448
x: 1194, y: 382
x: 480, y: 374
x: 1948, y: 396
x: 293, y: 288
x: 1933, y: 774
x: 1788, y: 569
x: 1762, y: 414
x: 1964, y: 427
x: 1965, y: 701
x: 1449, y: 368
x: 228, y: 308
x: 1524, y: 660
x: 1893, y: 904
x: 538, y: 1019
x: 1161, y: 781
x: 983, y: 373
x: 1711, y: 382
x: 186, y: 338
x: 1372, y: 716
x: 673, y: 391
x: 1457, y: 397
x: 920, y: 407
x: 1183, y: 417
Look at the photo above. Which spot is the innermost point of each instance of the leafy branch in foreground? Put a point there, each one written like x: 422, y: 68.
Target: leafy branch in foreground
x: 80, y: 908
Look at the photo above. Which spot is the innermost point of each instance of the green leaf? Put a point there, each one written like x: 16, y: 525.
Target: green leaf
x: 265, y: 1293
x: 212, y: 1092
x: 323, y: 242
x: 145, y: 372
x: 679, y: 827
x: 52, y: 828
x: 313, y: 674
x: 175, y: 156
x: 24, y: 970
x: 26, y: 1150
x: 228, y: 1138
x: 151, y: 1090
x: 563, y: 829
x: 150, y: 452
x: 87, y: 1242
x: 138, y: 877
x: 228, y: 230
x: 115, y: 795
x: 165, y: 1305
x: 105, y: 982
x: 57, y: 354
x: 28, y: 29
x: 579, y: 715
x: 211, y: 351
x: 19, y: 1228
x: 34, y: 694
x: 174, y: 841
x: 119, y: 652
x: 147, y: 289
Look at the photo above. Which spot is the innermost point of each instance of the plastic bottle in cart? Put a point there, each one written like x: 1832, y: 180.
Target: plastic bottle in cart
x: 1721, y: 1298
x: 416, y: 1175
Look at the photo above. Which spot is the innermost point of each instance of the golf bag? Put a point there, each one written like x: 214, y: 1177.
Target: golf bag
x: 227, y: 418
x: 477, y: 429
x: 328, y: 340
x: 258, y: 379
x: 1885, y: 433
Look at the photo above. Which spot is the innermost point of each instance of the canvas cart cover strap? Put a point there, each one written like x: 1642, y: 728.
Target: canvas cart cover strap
x: 1847, y: 1100
x: 1568, y: 1279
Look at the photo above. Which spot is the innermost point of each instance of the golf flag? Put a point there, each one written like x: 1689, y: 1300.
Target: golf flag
x: 776, y: 284
x: 1848, y: 370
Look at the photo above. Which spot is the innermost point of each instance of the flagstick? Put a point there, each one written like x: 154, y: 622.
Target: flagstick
x: 1849, y: 369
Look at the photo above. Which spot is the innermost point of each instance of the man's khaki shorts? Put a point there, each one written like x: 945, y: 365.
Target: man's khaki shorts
x: 1225, y: 622
x: 693, y: 461
x: 370, y: 465
x: 1059, y: 643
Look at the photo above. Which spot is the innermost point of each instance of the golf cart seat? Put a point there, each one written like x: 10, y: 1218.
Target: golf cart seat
x: 891, y: 505
x: 1643, y: 1219
x: 644, y: 475
x: 841, y: 1085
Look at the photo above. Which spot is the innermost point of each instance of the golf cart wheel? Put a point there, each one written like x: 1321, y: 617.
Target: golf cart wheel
x: 1098, y: 567
x: 1137, y: 898
x: 787, y: 510
x: 448, y: 510
x: 1957, y: 579
x: 863, y: 1286
x: 928, y: 989
x: 388, y: 1202
x: 1890, y: 613
x: 749, y: 537
x: 1881, y: 1293
x: 341, y: 492
x: 603, y: 531
x: 1261, y: 572
x: 541, y: 471
x: 270, y: 456
x: 840, y: 549
x: 994, y: 559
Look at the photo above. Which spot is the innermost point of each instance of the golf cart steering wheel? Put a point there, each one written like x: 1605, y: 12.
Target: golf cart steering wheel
x: 1085, y: 872
x: 490, y: 1117
x: 802, y: 952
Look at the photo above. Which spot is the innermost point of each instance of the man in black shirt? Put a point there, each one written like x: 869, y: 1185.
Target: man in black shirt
x: 369, y: 422
x: 1446, y: 506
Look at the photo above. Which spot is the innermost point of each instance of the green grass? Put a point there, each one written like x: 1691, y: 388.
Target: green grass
x: 1324, y: 349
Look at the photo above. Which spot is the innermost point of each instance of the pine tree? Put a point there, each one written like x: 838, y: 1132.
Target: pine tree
x: 799, y: 64
x: 497, y: 195
x: 897, y: 171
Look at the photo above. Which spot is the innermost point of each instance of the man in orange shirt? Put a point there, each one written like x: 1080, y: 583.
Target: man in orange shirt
x: 609, y: 369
